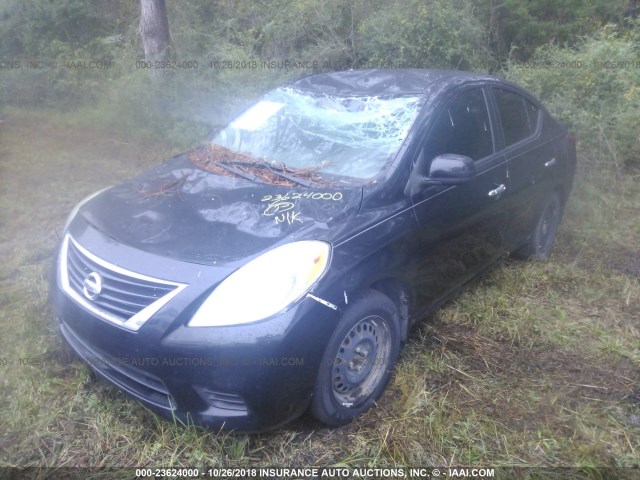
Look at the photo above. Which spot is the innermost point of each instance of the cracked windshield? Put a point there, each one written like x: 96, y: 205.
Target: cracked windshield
x: 352, y: 137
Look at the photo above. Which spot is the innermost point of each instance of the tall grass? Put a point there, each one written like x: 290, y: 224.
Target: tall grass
x: 538, y: 364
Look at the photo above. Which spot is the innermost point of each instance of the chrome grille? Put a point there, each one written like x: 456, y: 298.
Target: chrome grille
x: 112, y: 293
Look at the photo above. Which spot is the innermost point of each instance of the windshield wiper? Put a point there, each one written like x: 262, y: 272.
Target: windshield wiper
x: 278, y: 171
x: 300, y: 181
x: 211, y: 155
x: 240, y: 173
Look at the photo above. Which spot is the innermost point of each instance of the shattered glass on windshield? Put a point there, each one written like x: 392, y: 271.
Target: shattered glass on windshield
x: 353, y: 136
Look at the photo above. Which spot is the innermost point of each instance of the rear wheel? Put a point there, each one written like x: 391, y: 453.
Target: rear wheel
x: 358, y: 360
x: 541, y: 241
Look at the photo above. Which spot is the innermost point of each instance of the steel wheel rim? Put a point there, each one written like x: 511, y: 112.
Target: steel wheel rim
x: 548, y: 224
x: 361, y: 361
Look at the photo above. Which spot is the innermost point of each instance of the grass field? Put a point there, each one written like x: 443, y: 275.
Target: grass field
x: 537, y: 364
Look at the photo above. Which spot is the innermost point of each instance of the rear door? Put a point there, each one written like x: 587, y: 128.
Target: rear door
x: 531, y: 160
x: 460, y: 227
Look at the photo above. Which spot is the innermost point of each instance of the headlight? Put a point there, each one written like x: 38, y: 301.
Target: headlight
x: 265, y: 285
x: 75, y: 210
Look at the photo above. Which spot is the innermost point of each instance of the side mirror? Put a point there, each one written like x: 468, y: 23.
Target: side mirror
x: 446, y: 169
x: 451, y: 169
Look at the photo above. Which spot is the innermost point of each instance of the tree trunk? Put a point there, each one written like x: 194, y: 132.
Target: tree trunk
x: 495, y: 29
x: 154, y: 30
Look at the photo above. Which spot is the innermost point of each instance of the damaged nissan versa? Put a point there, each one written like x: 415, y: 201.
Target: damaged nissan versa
x: 278, y: 267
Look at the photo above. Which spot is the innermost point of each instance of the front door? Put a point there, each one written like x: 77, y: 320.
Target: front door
x: 460, y: 227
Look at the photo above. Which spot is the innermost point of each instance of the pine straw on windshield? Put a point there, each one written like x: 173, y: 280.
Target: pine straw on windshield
x: 210, y: 157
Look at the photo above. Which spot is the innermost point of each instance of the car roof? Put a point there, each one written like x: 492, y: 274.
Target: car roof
x: 382, y: 81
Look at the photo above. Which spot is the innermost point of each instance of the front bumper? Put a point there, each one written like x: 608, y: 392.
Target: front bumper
x: 247, y: 377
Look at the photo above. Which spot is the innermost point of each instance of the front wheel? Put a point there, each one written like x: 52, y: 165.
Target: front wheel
x: 541, y: 241
x: 358, y: 360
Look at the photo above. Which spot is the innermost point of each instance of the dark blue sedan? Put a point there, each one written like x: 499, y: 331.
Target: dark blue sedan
x: 279, y: 266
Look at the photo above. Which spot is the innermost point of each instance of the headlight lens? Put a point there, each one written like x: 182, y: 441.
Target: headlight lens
x: 75, y: 210
x: 265, y: 285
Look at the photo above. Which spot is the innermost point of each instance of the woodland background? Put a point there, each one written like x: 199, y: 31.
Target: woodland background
x: 536, y: 365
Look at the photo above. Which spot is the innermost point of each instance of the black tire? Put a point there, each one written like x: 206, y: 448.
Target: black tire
x: 541, y: 242
x: 358, y: 361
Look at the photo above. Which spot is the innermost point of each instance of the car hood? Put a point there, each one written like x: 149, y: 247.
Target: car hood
x: 183, y: 212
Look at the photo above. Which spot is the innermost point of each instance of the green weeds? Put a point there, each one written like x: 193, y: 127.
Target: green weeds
x: 535, y: 364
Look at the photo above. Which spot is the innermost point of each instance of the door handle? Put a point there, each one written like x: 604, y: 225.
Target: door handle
x: 550, y: 163
x: 496, y: 192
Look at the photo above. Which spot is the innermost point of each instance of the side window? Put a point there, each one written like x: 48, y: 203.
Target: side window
x: 515, y: 115
x: 461, y: 127
x: 534, y: 113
